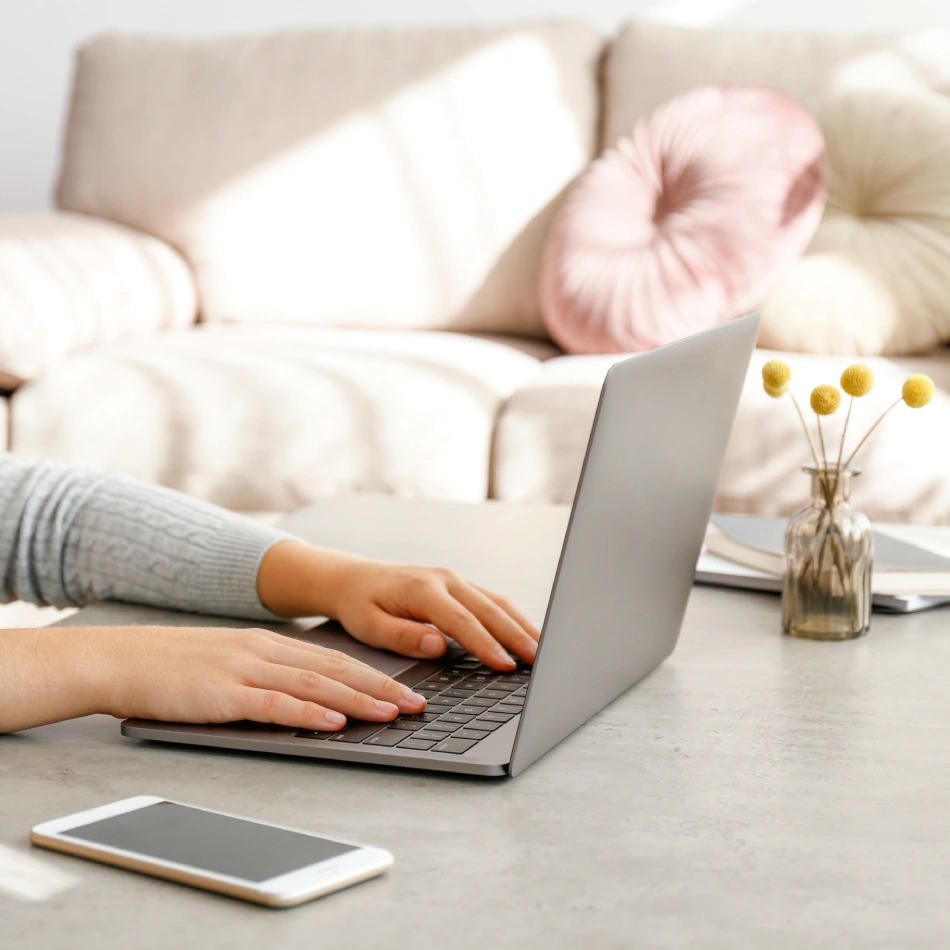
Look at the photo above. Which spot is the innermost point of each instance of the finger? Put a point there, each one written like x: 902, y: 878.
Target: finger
x: 301, y: 644
x: 513, y: 610
x: 435, y: 604
x: 321, y: 690
x: 496, y: 621
x: 344, y: 669
x: 265, y: 705
x: 408, y: 637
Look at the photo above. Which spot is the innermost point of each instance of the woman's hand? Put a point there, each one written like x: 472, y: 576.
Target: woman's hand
x: 392, y: 606
x: 188, y: 674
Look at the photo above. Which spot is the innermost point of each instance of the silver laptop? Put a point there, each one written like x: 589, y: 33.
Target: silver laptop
x: 616, y: 606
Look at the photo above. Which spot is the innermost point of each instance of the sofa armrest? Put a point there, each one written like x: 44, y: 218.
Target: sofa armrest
x: 69, y: 281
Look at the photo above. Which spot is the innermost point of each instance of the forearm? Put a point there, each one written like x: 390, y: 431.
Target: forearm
x: 69, y: 536
x: 48, y: 674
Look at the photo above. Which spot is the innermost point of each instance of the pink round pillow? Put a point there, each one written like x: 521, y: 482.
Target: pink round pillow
x: 686, y: 223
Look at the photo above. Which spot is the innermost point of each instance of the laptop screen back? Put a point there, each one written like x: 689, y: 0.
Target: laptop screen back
x: 640, y: 512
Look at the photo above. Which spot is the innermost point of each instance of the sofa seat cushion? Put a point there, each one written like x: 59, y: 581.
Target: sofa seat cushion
x: 543, y: 430
x: 68, y: 281
x: 259, y: 418
x: 390, y: 178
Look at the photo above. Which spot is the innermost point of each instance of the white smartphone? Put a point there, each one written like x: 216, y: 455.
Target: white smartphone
x: 254, y: 860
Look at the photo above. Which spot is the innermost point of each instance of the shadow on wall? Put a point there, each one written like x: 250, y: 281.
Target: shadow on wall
x: 370, y: 177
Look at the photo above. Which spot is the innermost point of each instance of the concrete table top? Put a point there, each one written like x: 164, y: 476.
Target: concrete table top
x: 755, y: 791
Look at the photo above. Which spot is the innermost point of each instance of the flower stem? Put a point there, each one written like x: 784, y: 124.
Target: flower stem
x: 867, y: 435
x: 808, y: 435
x: 844, y: 433
x: 821, y: 438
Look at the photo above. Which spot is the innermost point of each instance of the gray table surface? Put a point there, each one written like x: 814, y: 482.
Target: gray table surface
x: 755, y: 791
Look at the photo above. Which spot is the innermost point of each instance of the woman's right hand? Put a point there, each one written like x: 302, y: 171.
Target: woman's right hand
x: 189, y: 674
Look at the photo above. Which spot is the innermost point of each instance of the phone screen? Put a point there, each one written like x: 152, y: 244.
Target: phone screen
x: 210, y: 842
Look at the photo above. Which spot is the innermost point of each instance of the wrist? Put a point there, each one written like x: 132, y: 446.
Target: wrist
x: 299, y: 580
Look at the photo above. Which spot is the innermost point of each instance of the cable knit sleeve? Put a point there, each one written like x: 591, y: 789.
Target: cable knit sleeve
x: 69, y: 536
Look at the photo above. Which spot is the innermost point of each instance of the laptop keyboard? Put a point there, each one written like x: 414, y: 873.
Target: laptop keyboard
x: 467, y: 701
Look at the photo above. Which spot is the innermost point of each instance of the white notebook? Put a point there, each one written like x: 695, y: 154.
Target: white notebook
x: 748, y: 552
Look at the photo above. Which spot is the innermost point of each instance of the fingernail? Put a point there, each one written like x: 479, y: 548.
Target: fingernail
x: 388, y: 708
x: 505, y: 659
x: 431, y: 645
x: 414, y: 697
x: 335, y: 718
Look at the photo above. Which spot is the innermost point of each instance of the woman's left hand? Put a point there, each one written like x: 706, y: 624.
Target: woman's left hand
x: 405, y: 609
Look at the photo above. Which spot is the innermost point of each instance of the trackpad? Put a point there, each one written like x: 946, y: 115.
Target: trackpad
x: 332, y: 636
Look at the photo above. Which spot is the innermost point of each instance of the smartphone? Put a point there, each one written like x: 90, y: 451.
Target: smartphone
x: 253, y: 860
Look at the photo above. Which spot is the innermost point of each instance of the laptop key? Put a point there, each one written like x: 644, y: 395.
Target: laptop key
x: 429, y: 684
x: 475, y: 734
x: 419, y: 717
x: 441, y: 726
x: 410, y: 725
x: 507, y: 708
x: 495, y: 694
x: 492, y: 716
x: 513, y: 701
x: 453, y: 745
x: 504, y: 687
x: 485, y: 724
x: 427, y: 693
x: 420, y: 745
x: 459, y: 693
x: 306, y: 734
x: 431, y: 735
x: 519, y: 678
x: 388, y: 737
x: 466, y: 710
x: 455, y: 717
x: 481, y: 678
x: 481, y: 701
x: 358, y: 732
x: 444, y: 701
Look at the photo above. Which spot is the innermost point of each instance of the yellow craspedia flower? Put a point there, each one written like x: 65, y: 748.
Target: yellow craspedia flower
x: 857, y: 380
x: 825, y: 400
x: 918, y: 391
x: 776, y: 375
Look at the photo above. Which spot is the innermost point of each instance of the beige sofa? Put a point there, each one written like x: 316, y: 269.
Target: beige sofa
x: 302, y: 264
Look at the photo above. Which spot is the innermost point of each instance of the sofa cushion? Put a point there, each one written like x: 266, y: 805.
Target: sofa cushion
x: 543, y: 430
x: 390, y: 178
x: 876, y: 277
x: 69, y: 280
x: 268, y: 418
x: 650, y: 62
x: 684, y: 223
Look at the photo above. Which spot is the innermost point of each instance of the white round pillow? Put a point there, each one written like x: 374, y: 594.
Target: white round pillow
x: 876, y: 277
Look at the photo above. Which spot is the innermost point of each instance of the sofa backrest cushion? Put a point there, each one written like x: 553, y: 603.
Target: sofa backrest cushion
x: 649, y: 63
x: 397, y: 178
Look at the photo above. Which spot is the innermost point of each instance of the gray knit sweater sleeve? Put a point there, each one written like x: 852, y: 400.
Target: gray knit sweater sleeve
x: 69, y: 536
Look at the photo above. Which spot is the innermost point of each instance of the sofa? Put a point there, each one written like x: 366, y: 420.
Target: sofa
x: 301, y: 264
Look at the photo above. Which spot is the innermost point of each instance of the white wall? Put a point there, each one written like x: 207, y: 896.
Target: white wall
x: 37, y: 38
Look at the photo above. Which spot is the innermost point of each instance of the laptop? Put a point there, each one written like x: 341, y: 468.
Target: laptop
x: 616, y: 606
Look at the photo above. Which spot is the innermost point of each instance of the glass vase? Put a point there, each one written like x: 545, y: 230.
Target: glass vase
x: 829, y: 553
